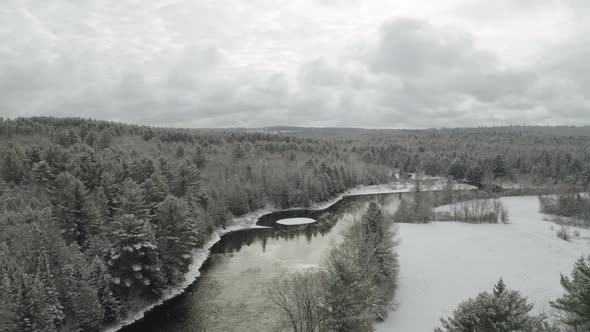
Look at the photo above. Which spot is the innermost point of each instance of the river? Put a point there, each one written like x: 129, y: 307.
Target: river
x: 229, y: 294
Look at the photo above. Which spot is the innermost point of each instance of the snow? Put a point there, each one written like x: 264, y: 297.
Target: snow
x: 249, y: 221
x: 445, y: 263
x: 296, y: 221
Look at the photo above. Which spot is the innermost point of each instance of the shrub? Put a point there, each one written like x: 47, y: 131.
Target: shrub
x: 476, y: 212
x: 564, y: 233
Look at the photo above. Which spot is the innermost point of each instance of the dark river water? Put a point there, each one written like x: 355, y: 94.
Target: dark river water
x: 229, y: 294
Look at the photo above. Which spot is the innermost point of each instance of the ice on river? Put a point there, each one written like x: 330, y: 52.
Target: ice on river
x: 444, y: 263
x: 296, y: 221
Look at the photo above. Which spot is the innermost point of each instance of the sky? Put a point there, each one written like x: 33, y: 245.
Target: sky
x: 338, y: 63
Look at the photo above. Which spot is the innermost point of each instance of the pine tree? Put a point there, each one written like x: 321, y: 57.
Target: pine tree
x: 41, y: 173
x: 102, y: 204
x: 134, y: 261
x: 200, y: 157
x: 105, y: 139
x: 131, y: 199
x: 12, y: 164
x: 575, y: 303
x: 187, y: 180
x: 33, y: 314
x: 475, y: 174
x: 85, y: 310
x: 381, y: 258
x: 348, y: 293
x: 176, y: 236
x: 111, y: 187
x: 52, y: 304
x: 100, y: 279
x: 156, y: 190
x: 504, y: 310
x: 10, y: 300
x: 73, y: 209
x: 457, y: 170
x: 499, y: 167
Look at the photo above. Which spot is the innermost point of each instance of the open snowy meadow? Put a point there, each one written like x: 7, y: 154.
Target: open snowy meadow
x: 445, y: 263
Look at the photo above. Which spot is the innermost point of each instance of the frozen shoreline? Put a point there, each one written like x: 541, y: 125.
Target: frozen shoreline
x: 248, y: 220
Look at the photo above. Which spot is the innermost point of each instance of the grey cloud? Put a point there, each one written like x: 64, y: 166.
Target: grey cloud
x: 139, y: 69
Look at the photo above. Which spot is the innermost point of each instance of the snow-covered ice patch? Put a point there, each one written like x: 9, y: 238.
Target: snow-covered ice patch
x: 295, y: 221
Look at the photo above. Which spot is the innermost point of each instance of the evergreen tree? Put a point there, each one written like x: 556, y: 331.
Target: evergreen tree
x: 102, y: 204
x: 100, y: 279
x: 176, y: 236
x: 134, y: 261
x: 499, y: 167
x: 348, y: 293
x: 105, y: 139
x: 131, y: 199
x: 504, y: 310
x: 52, y: 304
x: 156, y: 190
x: 83, y: 303
x: 9, y: 288
x: 575, y: 303
x: 187, y: 179
x: 111, y: 188
x: 41, y: 173
x: 381, y: 257
x: 73, y: 209
x: 457, y: 170
x: 200, y: 157
x: 475, y: 174
x: 13, y: 164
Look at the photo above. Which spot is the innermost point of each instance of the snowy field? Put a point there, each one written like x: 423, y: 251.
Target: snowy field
x: 444, y: 263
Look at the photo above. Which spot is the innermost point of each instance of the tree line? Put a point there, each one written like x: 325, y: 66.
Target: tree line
x: 97, y: 218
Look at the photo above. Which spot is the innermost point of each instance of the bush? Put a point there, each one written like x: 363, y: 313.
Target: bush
x: 564, y: 233
x: 567, y: 205
x: 503, y: 310
x: 476, y: 212
x: 411, y: 212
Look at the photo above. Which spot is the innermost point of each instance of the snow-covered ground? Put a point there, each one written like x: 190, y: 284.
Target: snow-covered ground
x: 296, y: 221
x: 444, y: 263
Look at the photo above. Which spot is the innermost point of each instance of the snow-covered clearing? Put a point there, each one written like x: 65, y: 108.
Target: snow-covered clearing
x: 295, y: 221
x: 444, y: 263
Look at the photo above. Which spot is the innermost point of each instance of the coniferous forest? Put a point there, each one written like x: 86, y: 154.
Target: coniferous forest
x: 98, y: 217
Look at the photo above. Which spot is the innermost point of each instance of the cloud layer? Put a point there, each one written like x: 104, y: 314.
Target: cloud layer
x: 314, y: 62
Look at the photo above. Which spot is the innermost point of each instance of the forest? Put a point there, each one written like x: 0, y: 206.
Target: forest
x: 97, y: 218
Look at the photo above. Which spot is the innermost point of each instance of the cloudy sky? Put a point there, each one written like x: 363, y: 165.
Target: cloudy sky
x: 251, y: 63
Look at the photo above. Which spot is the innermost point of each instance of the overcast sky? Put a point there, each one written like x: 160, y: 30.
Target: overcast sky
x: 251, y: 63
